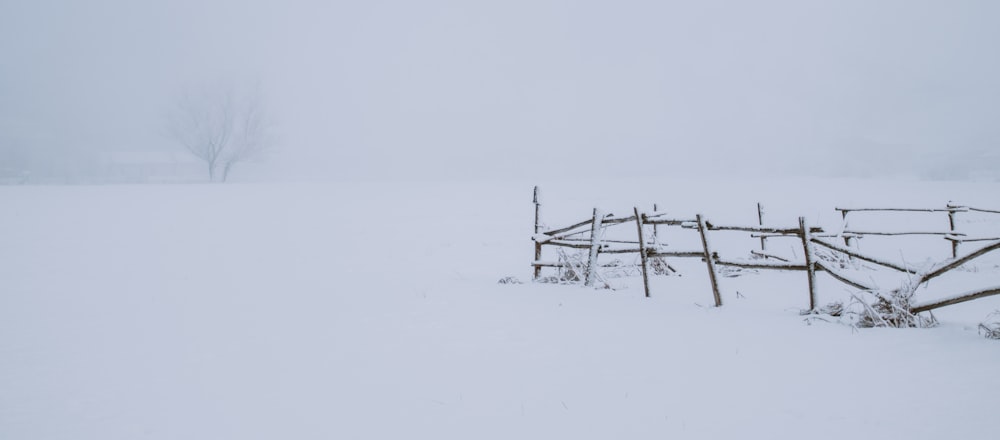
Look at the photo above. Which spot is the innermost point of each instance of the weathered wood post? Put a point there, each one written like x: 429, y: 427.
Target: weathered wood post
x: 807, y: 247
x: 951, y: 224
x: 656, y: 227
x: 760, y: 221
x: 538, y: 246
x: 709, y: 259
x: 595, y: 247
x: 642, y: 251
x: 848, y: 241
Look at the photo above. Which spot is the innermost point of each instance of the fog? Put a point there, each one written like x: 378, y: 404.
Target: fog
x: 440, y: 89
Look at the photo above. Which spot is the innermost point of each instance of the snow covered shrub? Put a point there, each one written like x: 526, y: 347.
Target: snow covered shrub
x: 659, y: 266
x: 572, y: 267
x: 509, y: 280
x: 733, y: 272
x: 836, y: 259
x: 892, y: 309
x: 834, y: 309
x: 991, y: 330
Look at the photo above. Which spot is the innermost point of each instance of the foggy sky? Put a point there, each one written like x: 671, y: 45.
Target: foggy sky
x: 523, y: 88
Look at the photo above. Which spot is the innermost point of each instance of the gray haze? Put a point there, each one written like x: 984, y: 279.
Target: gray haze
x: 518, y: 88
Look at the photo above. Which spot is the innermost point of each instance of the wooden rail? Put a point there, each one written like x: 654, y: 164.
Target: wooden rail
x: 957, y: 299
x: 949, y: 208
x: 851, y: 253
x: 956, y: 262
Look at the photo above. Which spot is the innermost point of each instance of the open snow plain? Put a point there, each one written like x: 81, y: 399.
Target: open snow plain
x: 323, y: 311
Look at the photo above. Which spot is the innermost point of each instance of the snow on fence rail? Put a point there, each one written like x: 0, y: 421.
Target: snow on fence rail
x: 588, y: 235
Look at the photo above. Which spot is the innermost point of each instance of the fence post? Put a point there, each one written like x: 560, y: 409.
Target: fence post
x: 850, y: 242
x: 538, y: 246
x: 595, y: 247
x: 847, y: 240
x: 656, y: 227
x: 760, y: 221
x: 709, y: 259
x: 642, y: 251
x: 951, y: 223
x: 810, y: 260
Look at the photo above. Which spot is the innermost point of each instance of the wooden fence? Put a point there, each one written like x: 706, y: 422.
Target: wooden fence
x: 952, y: 235
x: 587, y: 235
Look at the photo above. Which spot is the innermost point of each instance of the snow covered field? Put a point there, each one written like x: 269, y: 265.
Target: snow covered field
x: 320, y: 311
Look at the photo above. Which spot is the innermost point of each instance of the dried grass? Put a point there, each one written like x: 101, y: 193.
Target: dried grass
x: 892, y: 309
x: 991, y: 330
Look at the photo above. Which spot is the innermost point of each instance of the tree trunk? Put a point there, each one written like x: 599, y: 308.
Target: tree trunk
x: 225, y: 171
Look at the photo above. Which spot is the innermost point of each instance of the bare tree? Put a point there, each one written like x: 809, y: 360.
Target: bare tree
x: 220, y: 129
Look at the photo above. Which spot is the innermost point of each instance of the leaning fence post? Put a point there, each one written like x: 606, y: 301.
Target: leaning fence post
x: 807, y: 246
x: 595, y: 247
x: 642, y: 252
x: 709, y: 259
x: 538, y: 246
x: 951, y: 223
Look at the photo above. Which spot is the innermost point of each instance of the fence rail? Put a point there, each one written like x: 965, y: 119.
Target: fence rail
x: 951, y: 234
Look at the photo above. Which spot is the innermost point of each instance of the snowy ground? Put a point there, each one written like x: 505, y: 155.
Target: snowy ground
x: 373, y: 311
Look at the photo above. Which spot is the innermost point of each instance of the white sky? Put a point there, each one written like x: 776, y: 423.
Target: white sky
x: 523, y: 88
